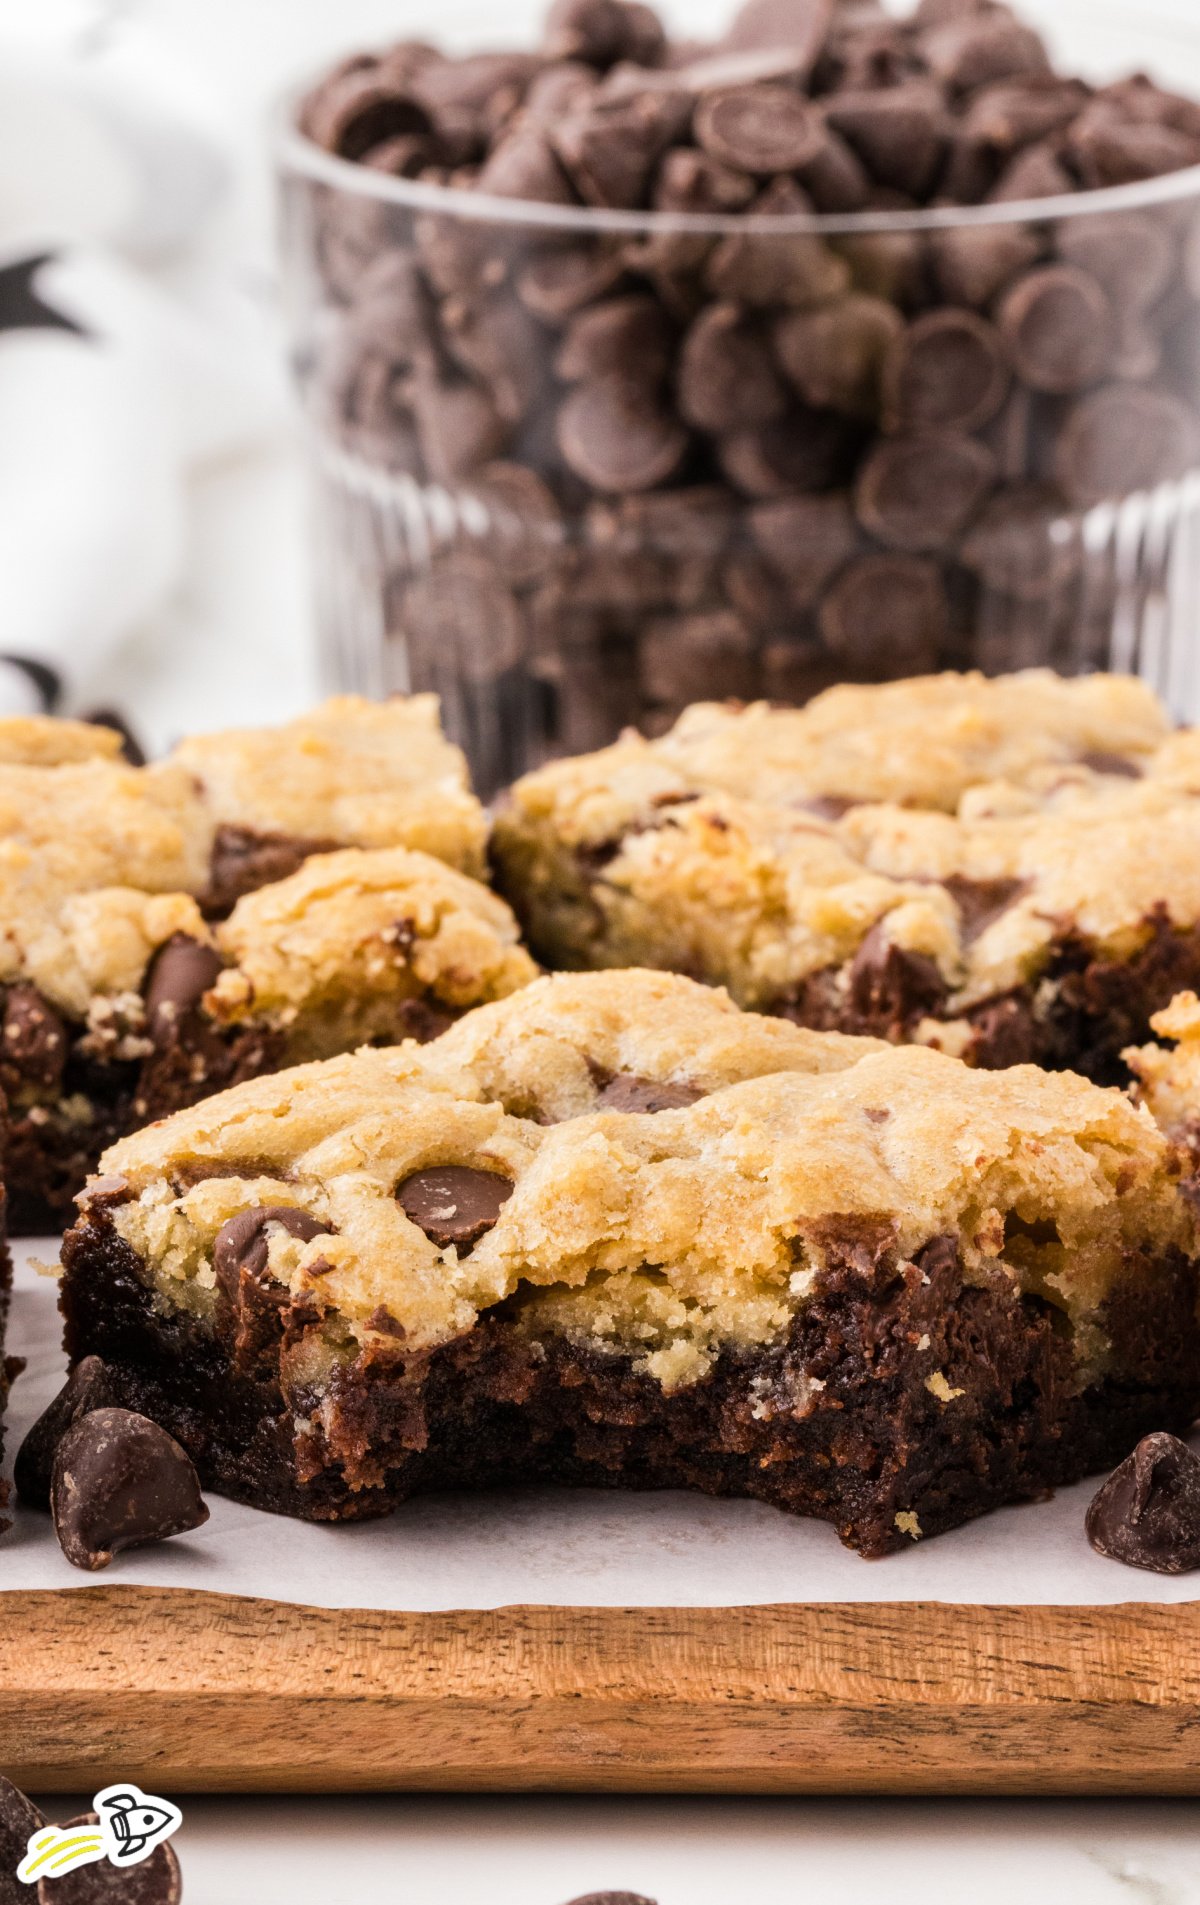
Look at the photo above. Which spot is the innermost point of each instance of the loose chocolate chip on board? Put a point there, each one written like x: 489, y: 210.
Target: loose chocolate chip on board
x: 1059, y: 329
x: 626, y: 1091
x: 886, y: 616
x: 155, y: 1881
x: 19, y: 1820
x: 454, y: 1203
x: 834, y: 356
x: 618, y: 436
x: 181, y: 973
x: 242, y: 1243
x: 1124, y: 439
x: 727, y: 378
x: 1148, y: 1512
x: 88, y: 1387
x: 34, y: 1038
x: 762, y: 129
x: 119, y: 1482
x: 947, y: 371
x: 920, y: 493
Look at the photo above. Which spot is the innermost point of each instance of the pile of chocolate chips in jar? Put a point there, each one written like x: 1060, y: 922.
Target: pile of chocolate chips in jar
x: 652, y: 461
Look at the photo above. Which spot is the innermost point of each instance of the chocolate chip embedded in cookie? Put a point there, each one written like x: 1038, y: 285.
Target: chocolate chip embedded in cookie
x: 1148, y: 1512
x: 119, y: 1482
x: 454, y: 1203
x: 180, y: 975
x: 626, y: 1092
x: 88, y: 1387
x: 242, y: 1243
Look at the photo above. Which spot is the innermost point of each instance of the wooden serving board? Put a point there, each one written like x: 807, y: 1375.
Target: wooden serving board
x: 187, y: 1692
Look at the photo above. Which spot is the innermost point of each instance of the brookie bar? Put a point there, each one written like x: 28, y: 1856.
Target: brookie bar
x: 115, y: 881
x: 613, y: 1231
x: 1004, y: 869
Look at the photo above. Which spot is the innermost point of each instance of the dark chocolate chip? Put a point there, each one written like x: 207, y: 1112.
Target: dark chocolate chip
x: 1022, y: 545
x: 243, y: 860
x: 835, y: 178
x: 1122, y: 440
x: 524, y: 166
x: 1009, y: 115
x: 612, y: 1898
x: 835, y: 356
x: 562, y: 282
x: 454, y: 1203
x: 1127, y: 253
x: 1108, y: 149
x: 19, y: 1820
x: 180, y: 974
x: 1036, y: 172
x: 1059, y: 328
x: 974, y: 263
x: 610, y: 145
x: 601, y: 32
x: 89, y: 1386
x: 712, y: 652
x: 34, y: 1038
x: 889, y: 986
x: 919, y: 493
x: 886, y: 616
x: 898, y: 132
x: 806, y: 540
x: 361, y: 110
x: 498, y: 341
x: 1100, y: 761
x: 981, y: 902
x: 459, y: 425
x: 805, y: 450
x: 1148, y: 1512
x: 618, y: 437
x: 242, y: 1244
x: 691, y: 181
x: 626, y: 1091
x: 799, y: 25
x: 967, y: 54
x: 758, y: 268
x: 758, y: 129
x: 611, y: 338
x: 120, y: 1481
x: 727, y: 378
x: 156, y: 1880
x: 947, y: 371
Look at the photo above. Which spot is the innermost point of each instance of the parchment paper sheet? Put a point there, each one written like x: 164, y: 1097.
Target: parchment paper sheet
x: 561, y: 1547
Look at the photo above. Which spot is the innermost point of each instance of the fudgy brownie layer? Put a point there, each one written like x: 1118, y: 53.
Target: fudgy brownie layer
x: 1079, y: 1014
x: 838, y: 1421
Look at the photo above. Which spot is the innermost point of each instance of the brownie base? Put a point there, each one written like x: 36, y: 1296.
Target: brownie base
x: 835, y: 1422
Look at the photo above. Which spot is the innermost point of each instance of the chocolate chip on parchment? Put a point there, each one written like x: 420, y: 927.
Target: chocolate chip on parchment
x: 618, y: 436
x: 180, y: 974
x: 120, y: 1481
x: 242, y: 1243
x: 1059, y: 328
x: 1147, y: 1514
x: 156, y: 1880
x: 627, y: 1091
x: 88, y: 1387
x: 919, y: 493
x: 454, y: 1203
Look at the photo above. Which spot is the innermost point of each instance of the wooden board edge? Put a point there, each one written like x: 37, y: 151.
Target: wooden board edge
x: 190, y: 1692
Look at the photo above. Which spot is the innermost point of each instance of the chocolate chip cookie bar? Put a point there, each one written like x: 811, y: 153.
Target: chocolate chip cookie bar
x: 1005, y: 869
x: 613, y: 1231
x: 1167, y: 1075
x: 112, y: 877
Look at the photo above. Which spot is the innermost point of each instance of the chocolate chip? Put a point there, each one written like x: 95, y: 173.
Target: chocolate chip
x: 727, y: 378
x: 609, y: 338
x: 1100, y: 761
x: 612, y: 1898
x: 835, y: 356
x: 360, y: 111
x: 562, y: 282
x: 454, y: 1203
x: 524, y: 166
x: 1022, y: 545
x: 120, y: 1481
x: 970, y: 53
x: 19, y: 1820
x: 244, y: 860
x: 806, y: 540
x: 1108, y: 150
x: 886, y: 616
x: 761, y: 129
x: 89, y: 1386
x: 898, y: 132
x: 182, y: 971
x: 973, y: 264
x: 609, y: 146
x: 601, y: 32
x: 155, y: 1880
x: 1148, y: 1512
x: 981, y: 902
x: 242, y: 1245
x: 34, y: 1038
x: 690, y: 181
x: 1123, y: 440
x: 919, y: 493
x: 799, y: 25
x: 459, y: 426
x: 834, y: 176
x: 626, y: 1091
x: 618, y: 437
x: 1058, y: 325
x: 679, y: 654
x: 805, y: 450
x: 757, y: 268
x: 947, y: 371
x: 889, y: 986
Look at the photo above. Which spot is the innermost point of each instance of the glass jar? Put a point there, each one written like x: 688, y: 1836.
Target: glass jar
x: 576, y: 468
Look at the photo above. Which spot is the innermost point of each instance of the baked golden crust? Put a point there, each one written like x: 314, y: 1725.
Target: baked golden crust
x: 674, y: 1232
x: 44, y: 740
x: 327, y: 955
x: 1168, y: 1075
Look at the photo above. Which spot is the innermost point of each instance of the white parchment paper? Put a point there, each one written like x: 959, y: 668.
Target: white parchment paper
x: 561, y: 1547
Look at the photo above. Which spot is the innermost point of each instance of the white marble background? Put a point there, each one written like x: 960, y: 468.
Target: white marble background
x: 236, y: 641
